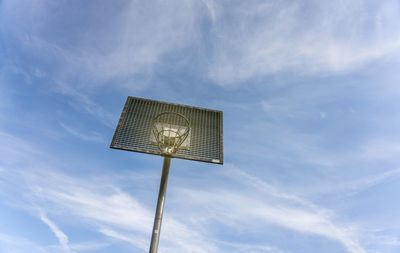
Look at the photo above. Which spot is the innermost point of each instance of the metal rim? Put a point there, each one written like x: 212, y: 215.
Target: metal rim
x: 169, y: 144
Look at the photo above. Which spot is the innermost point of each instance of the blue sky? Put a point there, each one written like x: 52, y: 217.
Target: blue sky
x: 310, y: 94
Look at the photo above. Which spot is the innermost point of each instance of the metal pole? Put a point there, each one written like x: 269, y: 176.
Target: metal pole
x: 160, y: 206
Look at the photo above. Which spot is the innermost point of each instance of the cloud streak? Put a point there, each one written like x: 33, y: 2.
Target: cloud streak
x: 122, y: 214
x: 13, y: 244
x: 268, y: 205
x: 303, y: 38
x: 246, y: 40
x: 134, y: 39
x: 93, y: 137
x: 361, y: 184
x: 115, y: 212
x: 61, y: 236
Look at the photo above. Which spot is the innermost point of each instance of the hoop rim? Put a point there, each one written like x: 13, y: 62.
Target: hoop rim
x: 170, y: 149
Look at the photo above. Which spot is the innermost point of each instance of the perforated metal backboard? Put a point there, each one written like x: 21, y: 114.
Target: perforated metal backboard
x: 134, y: 131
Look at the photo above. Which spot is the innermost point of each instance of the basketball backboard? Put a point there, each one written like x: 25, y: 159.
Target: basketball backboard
x: 135, y: 130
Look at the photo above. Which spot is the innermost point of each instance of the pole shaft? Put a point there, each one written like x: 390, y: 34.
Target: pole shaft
x: 160, y: 206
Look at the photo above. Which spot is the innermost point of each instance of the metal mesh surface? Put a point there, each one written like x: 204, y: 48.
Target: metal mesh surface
x: 134, y: 130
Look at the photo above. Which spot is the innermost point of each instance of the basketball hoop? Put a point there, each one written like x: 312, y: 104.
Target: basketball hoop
x: 170, y: 131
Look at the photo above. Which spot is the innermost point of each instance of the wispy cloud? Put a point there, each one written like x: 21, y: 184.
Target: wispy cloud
x: 268, y: 205
x: 389, y: 240
x: 254, y: 248
x: 308, y: 37
x: 94, y: 137
x: 380, y: 148
x: 211, y: 8
x: 127, y: 46
x: 125, y: 216
x: 17, y: 151
x: 279, y: 108
x: 246, y: 40
x: 88, y: 246
x: 140, y: 243
x: 117, y: 213
x: 360, y: 184
x: 61, y: 236
x: 13, y: 244
x: 81, y: 101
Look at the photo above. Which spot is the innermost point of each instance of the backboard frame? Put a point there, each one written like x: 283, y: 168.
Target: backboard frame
x: 217, y: 120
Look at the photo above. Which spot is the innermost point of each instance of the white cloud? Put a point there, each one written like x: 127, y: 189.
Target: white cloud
x: 61, y: 236
x: 260, y: 204
x: 115, y: 47
x: 248, y: 39
x: 13, y: 244
x: 112, y: 212
x: 389, y: 240
x: 279, y: 108
x: 323, y: 115
x: 88, y: 246
x: 367, y: 182
x: 17, y: 151
x: 211, y: 8
x: 140, y: 243
x: 93, y: 136
x: 80, y: 102
x: 104, y: 204
x: 5, y: 93
x: 308, y: 37
x: 254, y: 248
x: 380, y: 148
x: 360, y: 184
x: 125, y: 44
